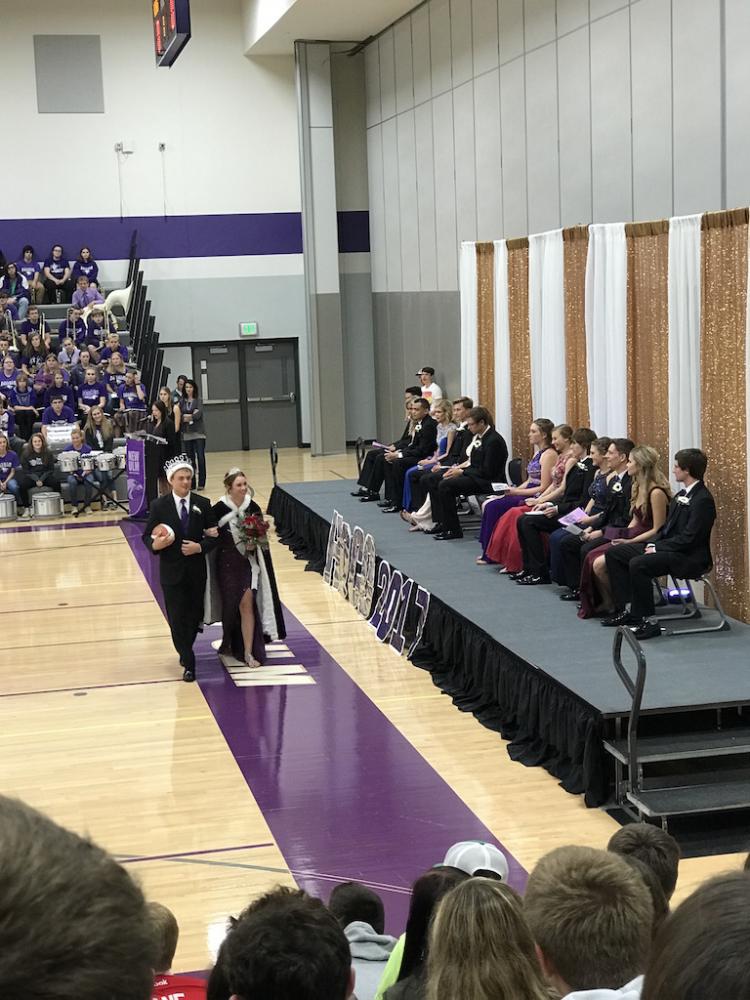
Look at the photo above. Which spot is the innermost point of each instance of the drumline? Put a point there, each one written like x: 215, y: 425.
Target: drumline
x: 48, y: 504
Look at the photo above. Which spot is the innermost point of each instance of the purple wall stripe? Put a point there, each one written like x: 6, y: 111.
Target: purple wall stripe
x: 258, y: 234
x: 345, y: 795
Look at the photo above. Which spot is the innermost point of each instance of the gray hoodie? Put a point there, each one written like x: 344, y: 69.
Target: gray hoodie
x: 370, y: 952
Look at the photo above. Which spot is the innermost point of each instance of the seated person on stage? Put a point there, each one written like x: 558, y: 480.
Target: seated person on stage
x: 373, y: 468
x: 56, y: 413
x: 616, y: 514
x: 504, y: 547
x: 15, y: 287
x: 429, y: 389
x: 37, y: 470
x: 80, y: 483
x: 649, y: 499
x: 419, y: 514
x: 422, y: 444
x: 72, y: 326
x: 538, y: 479
x: 23, y: 401
x: 29, y: 268
x: 87, y: 266
x: 9, y: 463
x: 59, y: 388
x: 165, y: 933
x: 86, y: 294
x: 132, y: 394
x: 531, y: 530
x: 91, y: 393
x: 114, y: 346
x: 56, y: 276
x: 33, y: 324
x: 69, y: 353
x: 489, y: 457
x: 441, y: 411
x: 681, y: 548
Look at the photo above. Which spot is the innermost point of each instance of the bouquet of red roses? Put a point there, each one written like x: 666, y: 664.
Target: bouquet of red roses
x: 254, y: 532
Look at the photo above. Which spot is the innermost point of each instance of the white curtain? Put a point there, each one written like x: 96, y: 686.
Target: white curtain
x: 547, y: 325
x: 503, y: 420
x: 468, y: 290
x: 606, y: 328
x: 684, y: 334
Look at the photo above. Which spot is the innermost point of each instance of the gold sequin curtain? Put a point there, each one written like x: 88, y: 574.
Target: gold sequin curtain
x: 575, y: 251
x: 648, y: 336
x: 486, y: 325
x: 520, y: 346
x: 723, y: 389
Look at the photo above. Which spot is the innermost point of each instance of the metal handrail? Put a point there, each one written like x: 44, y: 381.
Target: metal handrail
x: 635, y: 690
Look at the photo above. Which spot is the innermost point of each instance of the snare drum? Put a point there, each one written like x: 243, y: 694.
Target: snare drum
x: 106, y: 461
x: 69, y: 461
x: 7, y: 507
x: 121, y: 457
x: 88, y: 462
x: 47, y: 505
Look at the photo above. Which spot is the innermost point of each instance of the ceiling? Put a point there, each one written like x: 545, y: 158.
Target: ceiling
x: 273, y: 32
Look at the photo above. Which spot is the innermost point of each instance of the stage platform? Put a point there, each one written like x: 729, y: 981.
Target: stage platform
x: 517, y: 657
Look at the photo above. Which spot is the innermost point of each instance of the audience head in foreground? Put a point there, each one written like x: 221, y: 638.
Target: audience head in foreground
x: 288, y: 946
x: 591, y: 916
x: 701, y: 951
x: 654, y: 847
x: 351, y: 902
x: 73, y: 924
x: 165, y: 933
x: 476, y: 857
x: 481, y: 946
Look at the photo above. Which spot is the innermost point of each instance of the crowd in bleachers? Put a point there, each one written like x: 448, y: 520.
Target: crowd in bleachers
x: 591, y: 925
x: 594, y: 514
x: 73, y: 391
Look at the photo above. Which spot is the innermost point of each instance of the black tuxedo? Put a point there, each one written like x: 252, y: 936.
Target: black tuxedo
x: 421, y: 445
x: 489, y: 458
x: 182, y: 578
x: 616, y: 514
x: 683, y: 548
x: 532, y: 528
x: 421, y: 480
x: 373, y: 468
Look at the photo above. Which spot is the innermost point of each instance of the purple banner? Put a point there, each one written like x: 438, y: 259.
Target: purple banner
x: 136, y: 474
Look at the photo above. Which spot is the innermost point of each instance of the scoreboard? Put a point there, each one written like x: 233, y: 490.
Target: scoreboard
x: 171, y: 29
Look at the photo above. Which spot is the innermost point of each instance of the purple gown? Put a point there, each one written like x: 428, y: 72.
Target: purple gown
x: 495, y: 509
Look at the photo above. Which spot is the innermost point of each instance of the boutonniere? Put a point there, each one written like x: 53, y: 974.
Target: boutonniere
x: 196, y: 510
x: 617, y: 487
x: 418, y: 426
x: 582, y: 465
x: 685, y: 500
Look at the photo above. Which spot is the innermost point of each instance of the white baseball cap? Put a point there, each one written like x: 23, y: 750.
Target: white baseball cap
x: 475, y: 855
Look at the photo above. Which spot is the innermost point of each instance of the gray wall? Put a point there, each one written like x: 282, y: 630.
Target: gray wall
x: 492, y: 118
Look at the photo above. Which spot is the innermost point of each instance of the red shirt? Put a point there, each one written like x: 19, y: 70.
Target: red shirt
x: 179, y: 988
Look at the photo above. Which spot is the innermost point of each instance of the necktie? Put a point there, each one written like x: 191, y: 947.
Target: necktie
x: 184, y: 516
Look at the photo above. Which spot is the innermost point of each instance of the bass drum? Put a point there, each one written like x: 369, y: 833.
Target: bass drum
x: 46, y: 505
x: 7, y: 507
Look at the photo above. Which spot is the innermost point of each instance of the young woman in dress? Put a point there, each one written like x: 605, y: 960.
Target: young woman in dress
x: 250, y: 607
x: 192, y: 430
x: 160, y: 424
x: 442, y: 411
x: 649, y: 503
x: 538, y: 478
x: 504, y: 547
x: 173, y: 409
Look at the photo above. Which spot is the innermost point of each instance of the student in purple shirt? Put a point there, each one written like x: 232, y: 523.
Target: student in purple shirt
x: 57, y: 413
x: 69, y: 354
x: 114, y: 347
x: 73, y: 327
x: 97, y: 331
x: 6, y: 351
x: 23, y: 400
x: 91, y: 393
x: 34, y: 354
x: 8, y: 376
x: 8, y: 465
x: 114, y: 377
x: 132, y: 393
x: 7, y: 308
x: 86, y: 266
x: 7, y: 420
x: 34, y: 324
x: 16, y: 288
x: 59, y: 388
x: 28, y: 267
x: 85, y: 293
x: 50, y: 369
x: 80, y: 482
x: 56, y: 281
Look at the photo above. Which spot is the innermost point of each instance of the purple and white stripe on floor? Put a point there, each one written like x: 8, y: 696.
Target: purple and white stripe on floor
x: 345, y: 795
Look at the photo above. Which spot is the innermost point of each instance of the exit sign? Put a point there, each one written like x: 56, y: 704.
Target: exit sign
x: 248, y: 329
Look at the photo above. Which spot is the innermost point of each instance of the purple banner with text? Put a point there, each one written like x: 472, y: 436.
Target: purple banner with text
x: 136, y: 473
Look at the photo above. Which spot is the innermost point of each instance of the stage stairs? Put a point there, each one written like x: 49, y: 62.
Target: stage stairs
x: 688, y: 766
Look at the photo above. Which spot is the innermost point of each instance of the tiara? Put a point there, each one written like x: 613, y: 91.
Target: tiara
x: 178, y: 462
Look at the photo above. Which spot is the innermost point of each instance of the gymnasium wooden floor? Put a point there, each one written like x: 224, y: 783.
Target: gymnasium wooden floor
x: 98, y: 730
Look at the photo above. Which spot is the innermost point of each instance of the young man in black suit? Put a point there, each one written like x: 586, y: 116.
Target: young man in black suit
x: 181, y: 529
x: 682, y: 548
x: 373, y: 468
x: 455, y: 455
x: 422, y: 444
x: 487, y: 462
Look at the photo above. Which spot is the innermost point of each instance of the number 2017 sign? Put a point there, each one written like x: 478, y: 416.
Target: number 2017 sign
x: 394, y: 605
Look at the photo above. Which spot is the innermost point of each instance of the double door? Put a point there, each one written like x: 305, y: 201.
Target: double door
x: 249, y: 393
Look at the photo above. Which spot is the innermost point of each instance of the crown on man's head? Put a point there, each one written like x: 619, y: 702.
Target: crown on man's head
x: 177, y: 463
